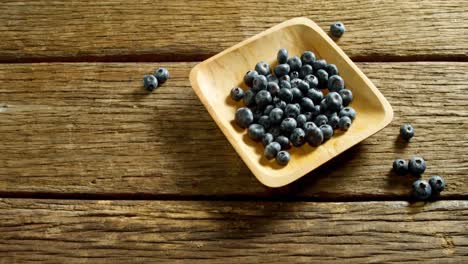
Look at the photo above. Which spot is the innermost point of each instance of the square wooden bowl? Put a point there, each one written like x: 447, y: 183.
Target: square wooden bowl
x: 213, y: 79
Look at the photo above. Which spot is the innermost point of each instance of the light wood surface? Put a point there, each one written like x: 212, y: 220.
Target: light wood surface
x: 194, y: 30
x: 213, y: 79
x: 90, y: 128
x: 56, y: 231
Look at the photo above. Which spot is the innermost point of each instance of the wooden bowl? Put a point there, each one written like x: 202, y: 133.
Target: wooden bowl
x: 213, y: 79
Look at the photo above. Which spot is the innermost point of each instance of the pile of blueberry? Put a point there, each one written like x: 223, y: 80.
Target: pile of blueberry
x: 153, y: 81
x: 300, y: 100
x: 416, y: 166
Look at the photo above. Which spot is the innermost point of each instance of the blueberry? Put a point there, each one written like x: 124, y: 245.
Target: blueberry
x: 305, y: 70
x: 280, y: 104
x: 307, y: 105
x: 295, y: 63
x: 347, y: 96
x: 292, y: 110
x: 259, y: 83
x: 400, y: 166
x: 321, y: 120
x: 319, y: 64
x: 256, y: 132
x: 285, y: 84
x: 294, y: 75
x: 264, y: 120
x: 406, y: 131
x: 249, y: 77
x: 334, y: 121
x: 312, y: 80
x: 285, y: 95
x: 263, y: 68
x: 284, y: 142
x: 273, y: 88
x: 237, y: 94
x: 268, y: 109
x: 314, y: 136
x: 282, y: 70
x: 308, y: 126
x: 295, y: 82
x: 276, y: 116
x: 337, y: 29
x: 297, y: 137
x: 162, y: 74
x: 301, y: 120
x: 275, y: 131
x: 316, y: 111
x: 437, y: 184
x: 345, y: 123
x: 298, y: 107
x: 271, y: 150
x: 416, y: 166
x: 263, y: 98
x: 335, y: 83
x: 283, y: 158
x: 257, y: 113
x: 150, y: 82
x: 249, y: 98
x: 282, y: 56
x: 422, y: 190
x: 331, y: 69
x: 327, y: 131
x: 288, y: 125
x: 272, y: 78
x: 297, y: 94
x: 308, y: 57
x: 267, y: 139
x: 322, y: 77
x: 333, y: 101
x: 315, y: 95
x: 303, y: 86
x: 349, y: 112
x: 244, y: 117
x: 285, y: 78
x: 323, y: 106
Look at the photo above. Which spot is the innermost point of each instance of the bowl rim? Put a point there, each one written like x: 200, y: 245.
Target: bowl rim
x: 294, y: 175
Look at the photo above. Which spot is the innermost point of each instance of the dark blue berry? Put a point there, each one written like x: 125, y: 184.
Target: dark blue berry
x: 333, y: 101
x: 297, y: 137
x: 280, y: 104
x: 292, y: 110
x: 400, y: 166
x: 275, y: 131
x: 315, y: 95
x: 282, y: 56
x: 257, y: 113
x: 267, y: 139
x: 259, y: 83
x: 284, y: 142
x: 331, y: 69
x: 256, y: 132
x: 283, y: 158
x: 308, y: 57
x: 249, y: 77
x: 307, y: 104
x: 301, y: 120
x: 295, y: 82
x: 321, y: 120
x: 150, y: 82
x: 347, y: 96
x: 312, y: 80
x: 263, y: 68
x: 327, y: 131
x: 276, y: 116
x: 337, y: 29
x: 345, y: 123
x: 349, y: 112
x: 295, y: 63
x: 334, y: 121
x: 335, y: 83
x: 288, y: 125
x: 263, y: 98
x: 285, y: 95
x: 322, y: 77
x: 285, y: 78
x: 297, y: 94
x: 268, y: 109
x: 244, y: 117
x: 272, y: 78
x: 323, y: 106
x: 162, y: 74
x: 319, y: 64
x: 294, y: 75
x: 249, y: 98
x: 237, y: 94
x: 282, y: 70
x: 305, y: 70
x: 308, y: 126
x: 273, y: 88
x: 303, y: 86
x: 416, y: 166
x: 437, y: 184
x: 406, y: 131
x: 264, y: 120
x: 422, y: 190
x: 316, y: 111
x: 285, y: 84
x: 271, y: 150
x: 314, y: 136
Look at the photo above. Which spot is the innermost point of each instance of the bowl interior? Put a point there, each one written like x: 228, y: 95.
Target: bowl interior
x: 214, y: 78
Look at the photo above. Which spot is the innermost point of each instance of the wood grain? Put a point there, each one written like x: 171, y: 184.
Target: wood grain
x: 54, y: 231
x: 90, y: 129
x: 192, y: 30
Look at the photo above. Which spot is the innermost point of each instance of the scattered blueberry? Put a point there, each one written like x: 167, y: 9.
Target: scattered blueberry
x: 271, y: 150
x: 334, y: 121
x: 307, y: 104
x: 288, y: 125
x: 286, y: 95
x: 327, y: 131
x: 331, y: 69
x: 417, y: 166
x: 315, y: 95
x: 282, y: 56
x: 295, y: 63
x: 292, y: 110
x: 150, y: 82
x: 285, y: 78
x: 295, y: 82
x: 437, y: 184
x: 285, y: 84
x: 282, y: 70
x: 303, y: 86
x: 322, y: 77
x: 347, y: 96
x: 294, y: 75
x: 422, y: 190
x: 244, y: 117
x: 264, y: 120
x: 335, y: 83
x: 284, y: 142
x: 311, y: 80
x: 237, y: 94
x: 297, y: 94
x: 321, y: 120
x: 314, y: 136
x: 267, y: 139
x: 319, y: 64
x: 306, y: 69
x: 283, y: 158
x: 273, y: 88
x: 249, y: 77
x: 259, y: 83
x: 162, y: 74
x: 345, y: 123
x: 268, y: 109
x: 406, y: 131
x: 263, y: 68
x: 333, y: 101
x: 272, y: 78
x: 316, y: 111
x: 263, y: 98
x: 256, y: 132
x: 249, y: 98
x: 275, y: 131
x: 308, y: 57
x: 400, y: 166
x: 349, y: 112
x: 337, y: 29
x: 301, y: 120
x: 297, y: 137
x: 280, y: 104
x: 276, y: 116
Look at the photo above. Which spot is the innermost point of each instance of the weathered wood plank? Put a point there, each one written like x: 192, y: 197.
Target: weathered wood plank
x: 188, y: 30
x: 55, y: 231
x: 91, y: 129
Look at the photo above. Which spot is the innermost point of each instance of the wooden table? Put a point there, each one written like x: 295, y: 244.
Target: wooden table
x: 95, y: 170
